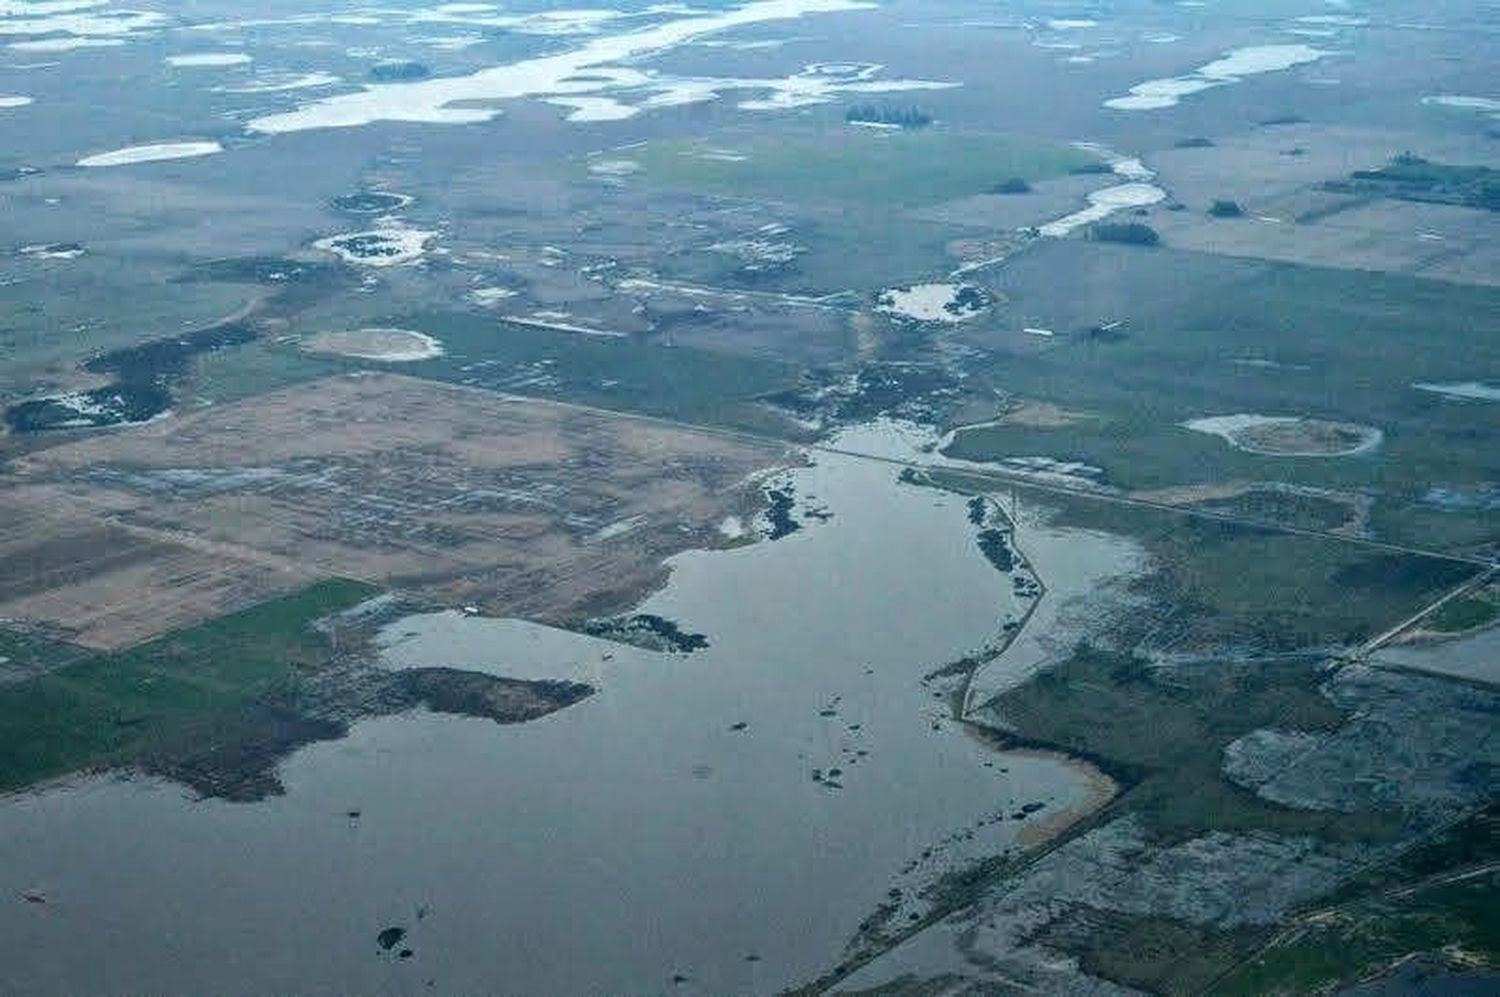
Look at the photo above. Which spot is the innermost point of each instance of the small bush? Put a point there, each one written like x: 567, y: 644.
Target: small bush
x: 1130, y: 233
x: 903, y: 117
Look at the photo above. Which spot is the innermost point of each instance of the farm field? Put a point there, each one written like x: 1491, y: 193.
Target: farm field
x: 377, y: 477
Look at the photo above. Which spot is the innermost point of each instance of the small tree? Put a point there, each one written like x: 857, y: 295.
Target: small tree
x: 1130, y: 233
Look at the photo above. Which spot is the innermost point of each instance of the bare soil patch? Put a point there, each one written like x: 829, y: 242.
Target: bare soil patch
x: 1190, y: 494
x: 106, y: 584
x: 1042, y: 415
x: 1304, y: 436
x: 462, y: 495
x: 1290, y: 436
x: 391, y: 345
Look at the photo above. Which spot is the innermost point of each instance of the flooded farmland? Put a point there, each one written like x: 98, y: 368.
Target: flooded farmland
x: 713, y: 822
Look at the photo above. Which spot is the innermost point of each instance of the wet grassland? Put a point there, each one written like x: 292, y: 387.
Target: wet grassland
x: 144, y: 380
x: 1204, y: 336
x: 843, y: 191
x: 109, y: 709
x: 840, y: 164
x: 1441, y: 896
x: 1231, y: 632
x: 612, y: 372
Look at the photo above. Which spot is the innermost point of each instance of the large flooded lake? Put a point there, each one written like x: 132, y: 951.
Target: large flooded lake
x: 666, y: 835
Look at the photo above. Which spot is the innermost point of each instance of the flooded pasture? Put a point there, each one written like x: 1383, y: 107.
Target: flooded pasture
x: 712, y: 822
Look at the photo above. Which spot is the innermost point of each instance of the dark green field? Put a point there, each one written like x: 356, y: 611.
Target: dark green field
x: 24, y: 651
x: 109, y: 709
x: 1442, y: 894
x: 696, y: 386
x: 1163, y: 731
x: 858, y: 165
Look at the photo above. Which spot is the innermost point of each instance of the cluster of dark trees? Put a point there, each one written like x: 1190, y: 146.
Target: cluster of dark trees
x: 1130, y: 233
x: 1409, y: 177
x: 904, y: 117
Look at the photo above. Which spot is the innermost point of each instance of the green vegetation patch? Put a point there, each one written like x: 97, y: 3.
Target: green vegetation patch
x: 1155, y: 954
x: 1444, y: 894
x: 1411, y: 178
x: 25, y: 652
x: 1468, y: 613
x: 1228, y: 582
x: 1163, y: 729
x: 112, y: 708
x: 1281, y: 508
x: 615, y: 373
x: 1126, y: 233
x: 1208, y: 337
x: 878, y: 168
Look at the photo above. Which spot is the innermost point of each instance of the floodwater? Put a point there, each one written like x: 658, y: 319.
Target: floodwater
x: 1472, y: 656
x: 634, y: 843
x: 454, y: 100
x: 1085, y: 574
x: 1253, y: 60
x: 151, y: 153
x: 1475, y: 390
x: 1136, y: 192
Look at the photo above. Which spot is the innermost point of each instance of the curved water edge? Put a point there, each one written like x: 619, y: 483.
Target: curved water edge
x: 1136, y: 192
x: 585, y: 77
x: 1080, y: 573
x: 1234, y: 66
x: 672, y: 824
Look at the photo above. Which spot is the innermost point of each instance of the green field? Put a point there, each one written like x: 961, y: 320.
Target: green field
x: 700, y: 386
x: 1215, y: 582
x: 850, y: 188
x: 56, y: 319
x: 23, y: 651
x: 1279, y: 591
x: 621, y: 374
x: 1155, y: 954
x: 1278, y: 508
x: 256, y: 368
x: 1208, y: 336
x: 848, y: 248
x: 1163, y: 731
x: 1444, y: 893
x: 1468, y: 613
x: 854, y: 165
x: 111, y: 708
